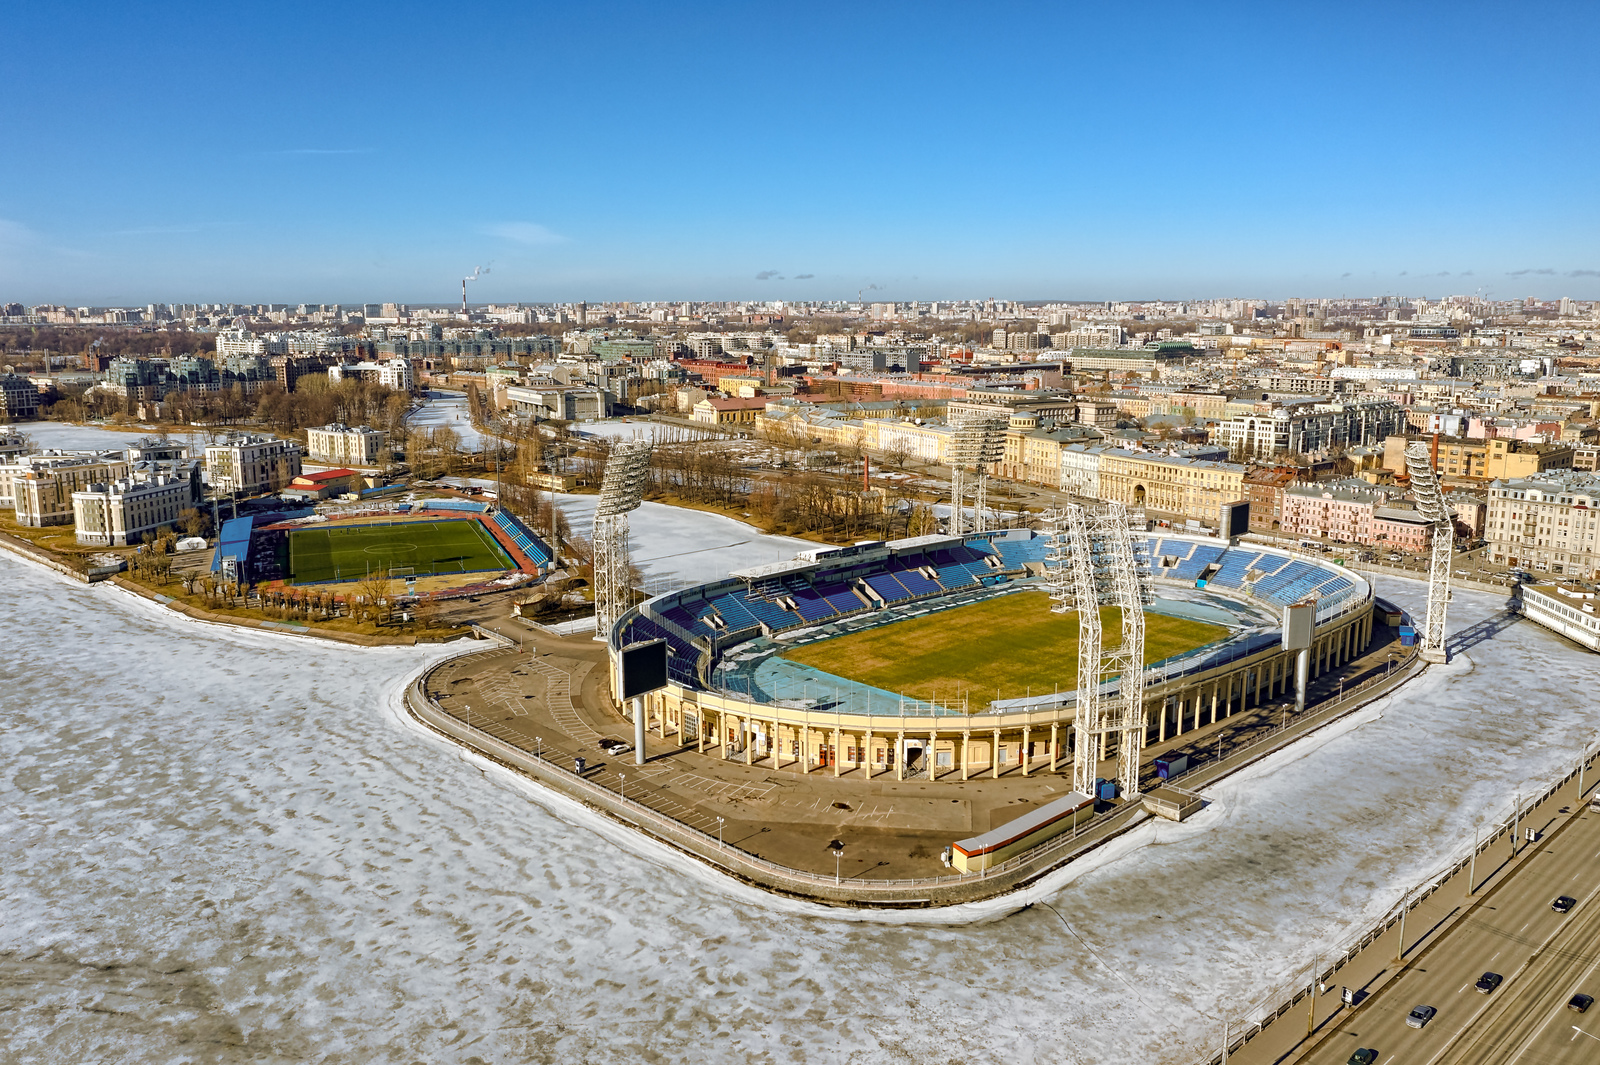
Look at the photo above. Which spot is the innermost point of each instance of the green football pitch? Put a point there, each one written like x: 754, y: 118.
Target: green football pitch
x: 1001, y: 648
x: 333, y: 553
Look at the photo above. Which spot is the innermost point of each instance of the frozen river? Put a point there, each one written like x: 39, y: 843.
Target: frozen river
x: 225, y: 846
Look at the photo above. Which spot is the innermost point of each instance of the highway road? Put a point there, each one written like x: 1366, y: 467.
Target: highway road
x: 1545, y: 957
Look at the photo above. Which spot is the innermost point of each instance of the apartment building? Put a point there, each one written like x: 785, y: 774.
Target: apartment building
x: 247, y: 463
x: 1264, y: 489
x: 340, y: 445
x: 1549, y: 523
x: 1495, y: 458
x: 39, y: 487
x: 120, y: 513
x: 1310, y: 428
x: 19, y: 399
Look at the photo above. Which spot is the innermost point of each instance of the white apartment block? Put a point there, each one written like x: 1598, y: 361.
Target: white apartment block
x: 39, y: 487
x: 1549, y: 523
x: 1080, y: 470
x: 1311, y: 431
x: 340, y: 445
x: 393, y: 373
x: 246, y: 463
x: 120, y: 513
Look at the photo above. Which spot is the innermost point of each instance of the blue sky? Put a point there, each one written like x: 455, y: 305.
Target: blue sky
x: 363, y: 152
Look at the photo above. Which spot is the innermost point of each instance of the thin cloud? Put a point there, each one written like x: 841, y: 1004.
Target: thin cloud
x: 149, y: 231
x: 768, y: 275
x: 318, y: 151
x: 1583, y: 273
x: 1524, y: 273
x: 1344, y: 275
x: 1403, y: 273
x: 1466, y: 273
x: 804, y: 277
x: 524, y: 233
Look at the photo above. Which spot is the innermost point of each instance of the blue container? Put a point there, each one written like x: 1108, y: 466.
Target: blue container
x: 1171, y: 765
x: 1408, y: 636
x: 1108, y: 789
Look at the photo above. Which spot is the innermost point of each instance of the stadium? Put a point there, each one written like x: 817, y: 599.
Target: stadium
x: 438, y: 546
x: 938, y: 658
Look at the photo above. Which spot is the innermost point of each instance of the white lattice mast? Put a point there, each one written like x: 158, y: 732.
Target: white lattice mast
x: 1126, y: 586
x: 627, y: 470
x: 978, y: 442
x: 1092, y: 562
x: 1432, y: 507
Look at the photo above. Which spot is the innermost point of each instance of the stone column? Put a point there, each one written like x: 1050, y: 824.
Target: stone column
x: 722, y: 735
x: 1162, y: 738
x: 900, y: 756
x: 1055, y: 748
x: 866, y: 755
x: 966, y: 752
x: 994, y: 757
x: 1216, y: 690
x: 1026, y: 761
x: 933, y: 757
x: 838, y: 751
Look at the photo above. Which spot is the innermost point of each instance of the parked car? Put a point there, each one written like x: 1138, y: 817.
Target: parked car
x: 1363, y: 1057
x: 1488, y: 982
x: 1580, y: 1003
x: 1420, y: 1016
x: 1563, y: 903
x: 614, y: 747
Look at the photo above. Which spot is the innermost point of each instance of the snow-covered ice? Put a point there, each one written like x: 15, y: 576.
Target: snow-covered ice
x: 67, y: 436
x: 228, y: 845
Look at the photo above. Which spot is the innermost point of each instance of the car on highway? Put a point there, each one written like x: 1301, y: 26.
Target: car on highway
x: 1563, y: 903
x: 1363, y: 1057
x: 1420, y: 1016
x: 1488, y: 982
x: 1580, y: 1003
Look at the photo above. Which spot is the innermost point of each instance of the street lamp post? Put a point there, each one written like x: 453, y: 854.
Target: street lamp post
x: 538, y: 747
x: 719, y: 833
x: 623, y: 777
x: 837, y: 847
x: 1400, y: 945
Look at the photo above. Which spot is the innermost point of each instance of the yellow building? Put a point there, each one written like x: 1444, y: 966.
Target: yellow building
x: 1173, y: 485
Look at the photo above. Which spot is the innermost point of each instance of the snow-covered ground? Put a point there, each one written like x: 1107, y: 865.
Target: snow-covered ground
x: 225, y: 845
x: 677, y: 544
x: 79, y: 437
x: 447, y: 408
x: 637, y: 429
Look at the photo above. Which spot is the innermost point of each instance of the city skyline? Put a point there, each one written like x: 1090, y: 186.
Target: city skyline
x: 630, y: 152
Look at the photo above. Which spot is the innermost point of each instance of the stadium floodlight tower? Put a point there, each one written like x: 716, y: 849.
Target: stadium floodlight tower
x: 979, y: 442
x: 1432, y: 506
x: 621, y: 488
x: 1093, y: 563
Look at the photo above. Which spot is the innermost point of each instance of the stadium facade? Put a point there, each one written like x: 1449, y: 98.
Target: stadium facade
x: 730, y: 693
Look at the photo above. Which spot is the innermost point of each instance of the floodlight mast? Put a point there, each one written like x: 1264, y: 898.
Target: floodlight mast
x: 1092, y: 562
x: 621, y: 488
x: 978, y: 443
x: 1432, y: 507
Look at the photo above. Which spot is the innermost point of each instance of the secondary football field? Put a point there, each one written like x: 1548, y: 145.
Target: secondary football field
x: 334, y: 553
x: 1001, y: 648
